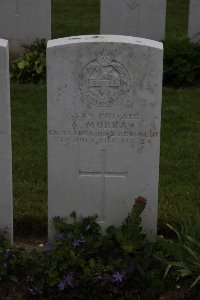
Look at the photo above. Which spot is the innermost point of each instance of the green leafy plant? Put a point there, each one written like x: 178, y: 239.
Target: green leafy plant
x: 31, y: 67
x: 8, y: 259
x: 181, y: 62
x: 183, y: 254
x: 129, y: 235
x: 83, y: 263
x: 3, y: 238
x: 39, y: 45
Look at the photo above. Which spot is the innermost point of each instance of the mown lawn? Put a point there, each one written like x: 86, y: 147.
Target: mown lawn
x: 177, y: 18
x: 180, y: 154
x: 180, y: 149
x: 29, y: 156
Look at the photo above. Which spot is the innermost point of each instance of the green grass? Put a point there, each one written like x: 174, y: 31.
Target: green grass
x: 180, y: 149
x: 75, y: 17
x: 29, y: 156
x: 177, y: 18
x: 180, y: 154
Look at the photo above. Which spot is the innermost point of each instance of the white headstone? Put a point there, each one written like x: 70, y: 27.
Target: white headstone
x: 141, y: 18
x: 104, y: 111
x: 23, y: 21
x: 194, y: 21
x: 6, y: 209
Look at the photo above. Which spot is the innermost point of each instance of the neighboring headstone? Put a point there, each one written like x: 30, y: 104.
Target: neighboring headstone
x: 6, y: 208
x: 23, y: 21
x: 104, y: 111
x: 141, y: 18
x: 194, y: 21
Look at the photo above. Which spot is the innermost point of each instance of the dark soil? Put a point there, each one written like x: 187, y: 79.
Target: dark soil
x: 13, y: 292
x: 176, y: 295
x: 30, y: 243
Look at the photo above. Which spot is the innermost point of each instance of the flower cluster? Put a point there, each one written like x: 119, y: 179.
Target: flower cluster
x: 33, y: 291
x: 85, y: 261
x: 118, y: 277
x: 68, y: 280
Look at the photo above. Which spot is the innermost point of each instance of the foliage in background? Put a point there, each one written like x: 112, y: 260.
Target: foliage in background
x: 31, y: 67
x: 39, y: 45
x: 181, y: 62
x: 84, y: 264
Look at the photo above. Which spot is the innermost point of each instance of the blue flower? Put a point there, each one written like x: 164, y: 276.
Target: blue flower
x: 33, y: 291
x: 69, y: 280
x: 60, y: 235
x: 61, y: 286
x: 117, y: 277
x: 49, y: 246
x: 77, y: 243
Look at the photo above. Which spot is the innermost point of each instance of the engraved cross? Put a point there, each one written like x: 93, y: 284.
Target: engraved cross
x: 103, y: 174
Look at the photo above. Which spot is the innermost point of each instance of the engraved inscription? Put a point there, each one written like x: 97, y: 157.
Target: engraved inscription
x: 104, y: 81
x: 103, y: 128
x: 103, y: 174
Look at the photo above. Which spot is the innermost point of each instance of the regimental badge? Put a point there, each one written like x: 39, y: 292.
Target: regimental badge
x: 104, y: 81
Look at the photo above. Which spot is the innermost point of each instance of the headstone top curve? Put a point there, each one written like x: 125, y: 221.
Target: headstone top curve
x: 3, y: 43
x: 104, y: 38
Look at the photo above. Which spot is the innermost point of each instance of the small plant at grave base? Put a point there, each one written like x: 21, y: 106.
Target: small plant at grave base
x: 3, y: 238
x: 31, y: 67
x: 113, y: 265
x: 8, y: 260
x: 129, y: 235
x: 83, y: 263
x: 182, y: 256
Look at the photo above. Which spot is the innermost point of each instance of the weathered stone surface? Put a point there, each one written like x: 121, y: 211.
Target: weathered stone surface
x: 141, y: 18
x: 23, y: 21
x: 104, y: 111
x: 6, y: 209
x: 194, y: 21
